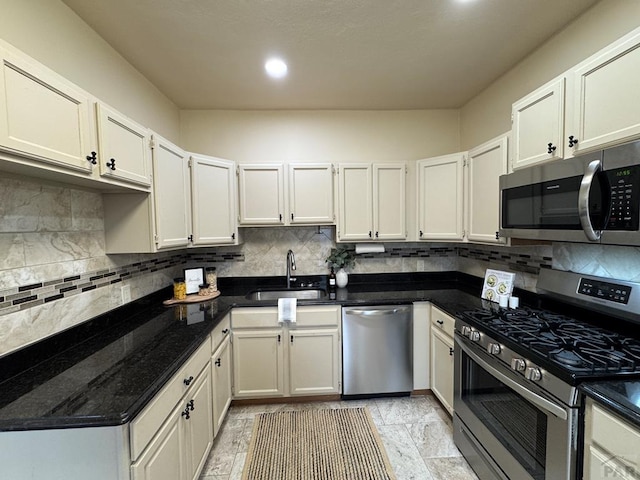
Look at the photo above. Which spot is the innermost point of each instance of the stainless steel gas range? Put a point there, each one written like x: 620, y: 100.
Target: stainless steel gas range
x: 517, y: 411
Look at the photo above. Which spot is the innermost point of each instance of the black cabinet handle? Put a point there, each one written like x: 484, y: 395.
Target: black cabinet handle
x: 279, y: 338
x: 292, y: 216
x: 92, y: 158
x: 112, y: 164
x: 450, y: 351
x: 185, y: 413
x: 291, y: 338
x: 572, y: 141
x: 497, y: 235
x: 551, y: 148
x: 439, y: 322
x: 187, y: 381
x: 421, y: 233
x: 225, y: 331
x: 369, y: 233
x: 376, y: 234
x: 217, y: 362
x: 190, y: 405
x: 190, y: 238
x: 280, y: 217
x: 233, y: 236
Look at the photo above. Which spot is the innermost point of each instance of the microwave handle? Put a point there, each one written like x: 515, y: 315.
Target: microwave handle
x: 583, y: 201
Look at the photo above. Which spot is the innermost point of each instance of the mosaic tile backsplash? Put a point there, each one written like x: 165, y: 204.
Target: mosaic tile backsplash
x: 54, y: 273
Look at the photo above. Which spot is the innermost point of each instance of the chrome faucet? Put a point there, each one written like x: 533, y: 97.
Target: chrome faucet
x: 291, y: 265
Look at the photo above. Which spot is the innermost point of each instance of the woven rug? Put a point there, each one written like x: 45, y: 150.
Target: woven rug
x: 341, y: 444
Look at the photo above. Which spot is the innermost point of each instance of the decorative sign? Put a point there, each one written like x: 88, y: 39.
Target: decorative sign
x: 194, y: 277
x: 497, y: 283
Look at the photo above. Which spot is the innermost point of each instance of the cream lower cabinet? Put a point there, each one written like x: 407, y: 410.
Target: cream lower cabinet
x: 611, y: 445
x: 221, y: 382
x: 172, y: 436
x: 441, y: 198
x: 442, y: 328
x: 277, y: 361
x: 486, y: 163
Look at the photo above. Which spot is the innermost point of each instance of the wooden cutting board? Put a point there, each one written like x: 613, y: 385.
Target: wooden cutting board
x: 192, y: 299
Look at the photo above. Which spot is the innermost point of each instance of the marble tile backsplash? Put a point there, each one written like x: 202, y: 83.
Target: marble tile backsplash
x: 54, y: 272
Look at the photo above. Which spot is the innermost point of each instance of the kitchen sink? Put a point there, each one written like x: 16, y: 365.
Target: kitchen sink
x: 301, y: 293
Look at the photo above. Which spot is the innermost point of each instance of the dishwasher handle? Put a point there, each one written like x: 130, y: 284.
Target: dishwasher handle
x: 375, y: 311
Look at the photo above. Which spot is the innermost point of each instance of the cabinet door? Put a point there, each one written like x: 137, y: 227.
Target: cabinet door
x: 311, y: 193
x: 170, y: 194
x: 440, y: 198
x: 389, y: 201
x: 221, y: 369
x: 442, y: 368
x: 213, y: 196
x: 42, y: 115
x: 538, y: 125
x: 486, y: 163
x: 355, y: 193
x: 258, y: 363
x: 261, y: 194
x: 199, y: 423
x: 607, y: 96
x: 123, y: 147
x: 164, y: 457
x: 314, y: 361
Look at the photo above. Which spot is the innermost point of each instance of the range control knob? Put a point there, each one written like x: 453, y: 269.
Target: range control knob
x: 518, y: 364
x: 494, y: 348
x: 474, y: 336
x: 533, y: 373
x: 466, y: 331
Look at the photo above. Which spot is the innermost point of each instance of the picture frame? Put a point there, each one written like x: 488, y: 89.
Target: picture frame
x: 193, y: 277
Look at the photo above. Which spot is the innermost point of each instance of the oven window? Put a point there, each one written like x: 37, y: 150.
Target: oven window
x: 516, y: 423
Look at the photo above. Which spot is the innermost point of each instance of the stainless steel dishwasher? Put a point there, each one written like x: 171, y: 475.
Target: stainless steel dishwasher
x: 377, y: 350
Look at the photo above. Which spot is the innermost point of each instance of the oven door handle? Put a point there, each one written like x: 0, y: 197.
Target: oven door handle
x: 534, y: 398
x: 583, y: 201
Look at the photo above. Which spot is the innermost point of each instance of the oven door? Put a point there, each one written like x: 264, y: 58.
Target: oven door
x: 506, y: 428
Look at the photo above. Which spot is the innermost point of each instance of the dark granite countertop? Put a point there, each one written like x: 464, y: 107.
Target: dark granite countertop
x: 103, y: 372
x: 621, y: 396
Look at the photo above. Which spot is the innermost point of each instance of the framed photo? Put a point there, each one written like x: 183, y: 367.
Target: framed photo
x: 194, y: 277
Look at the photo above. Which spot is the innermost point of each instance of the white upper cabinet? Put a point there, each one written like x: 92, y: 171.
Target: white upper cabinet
x: 606, y: 96
x: 486, y: 163
x: 123, y: 147
x: 261, y: 190
x: 538, y: 125
x: 43, y: 116
x: 372, y: 201
x: 389, y: 201
x: 355, y: 193
x: 441, y: 197
x: 310, y: 193
x: 170, y: 193
x: 214, y: 201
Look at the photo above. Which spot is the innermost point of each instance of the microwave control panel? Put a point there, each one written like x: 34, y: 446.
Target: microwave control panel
x: 605, y: 290
x: 625, y: 198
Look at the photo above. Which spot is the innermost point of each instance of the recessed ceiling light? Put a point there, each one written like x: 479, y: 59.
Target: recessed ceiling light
x: 276, y: 68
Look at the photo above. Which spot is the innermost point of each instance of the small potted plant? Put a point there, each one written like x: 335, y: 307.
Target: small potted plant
x: 341, y: 258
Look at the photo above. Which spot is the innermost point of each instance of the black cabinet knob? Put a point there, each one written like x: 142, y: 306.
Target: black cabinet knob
x: 112, y: 164
x: 218, y: 362
x: 572, y: 141
x: 225, y: 331
x: 421, y: 233
x: 369, y: 233
x: 187, y: 381
x: 551, y: 148
x: 450, y: 351
x: 92, y: 158
x: 439, y: 322
x: 376, y: 234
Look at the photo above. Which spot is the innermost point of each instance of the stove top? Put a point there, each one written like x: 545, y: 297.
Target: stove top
x: 575, y: 346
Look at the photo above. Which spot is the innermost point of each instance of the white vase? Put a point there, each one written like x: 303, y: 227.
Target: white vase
x: 342, y: 278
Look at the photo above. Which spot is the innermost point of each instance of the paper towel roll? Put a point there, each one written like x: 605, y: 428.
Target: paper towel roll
x: 369, y: 248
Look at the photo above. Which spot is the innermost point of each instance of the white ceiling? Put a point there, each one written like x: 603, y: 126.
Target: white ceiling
x: 342, y: 54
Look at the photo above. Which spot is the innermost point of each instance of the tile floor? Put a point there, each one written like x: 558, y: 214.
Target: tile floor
x: 416, y: 433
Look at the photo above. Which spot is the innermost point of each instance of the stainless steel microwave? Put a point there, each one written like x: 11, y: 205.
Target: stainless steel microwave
x: 592, y: 198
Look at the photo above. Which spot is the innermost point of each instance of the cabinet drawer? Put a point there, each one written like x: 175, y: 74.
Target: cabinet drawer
x: 318, y: 316
x: 615, y: 435
x: 442, y: 321
x: 306, y: 316
x: 221, y: 330
x: 252, y: 317
x: 149, y: 421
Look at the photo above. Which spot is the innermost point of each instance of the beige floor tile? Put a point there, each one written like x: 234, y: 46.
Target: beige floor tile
x: 403, y: 410
x: 454, y: 468
x: 434, y: 439
x: 403, y: 455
